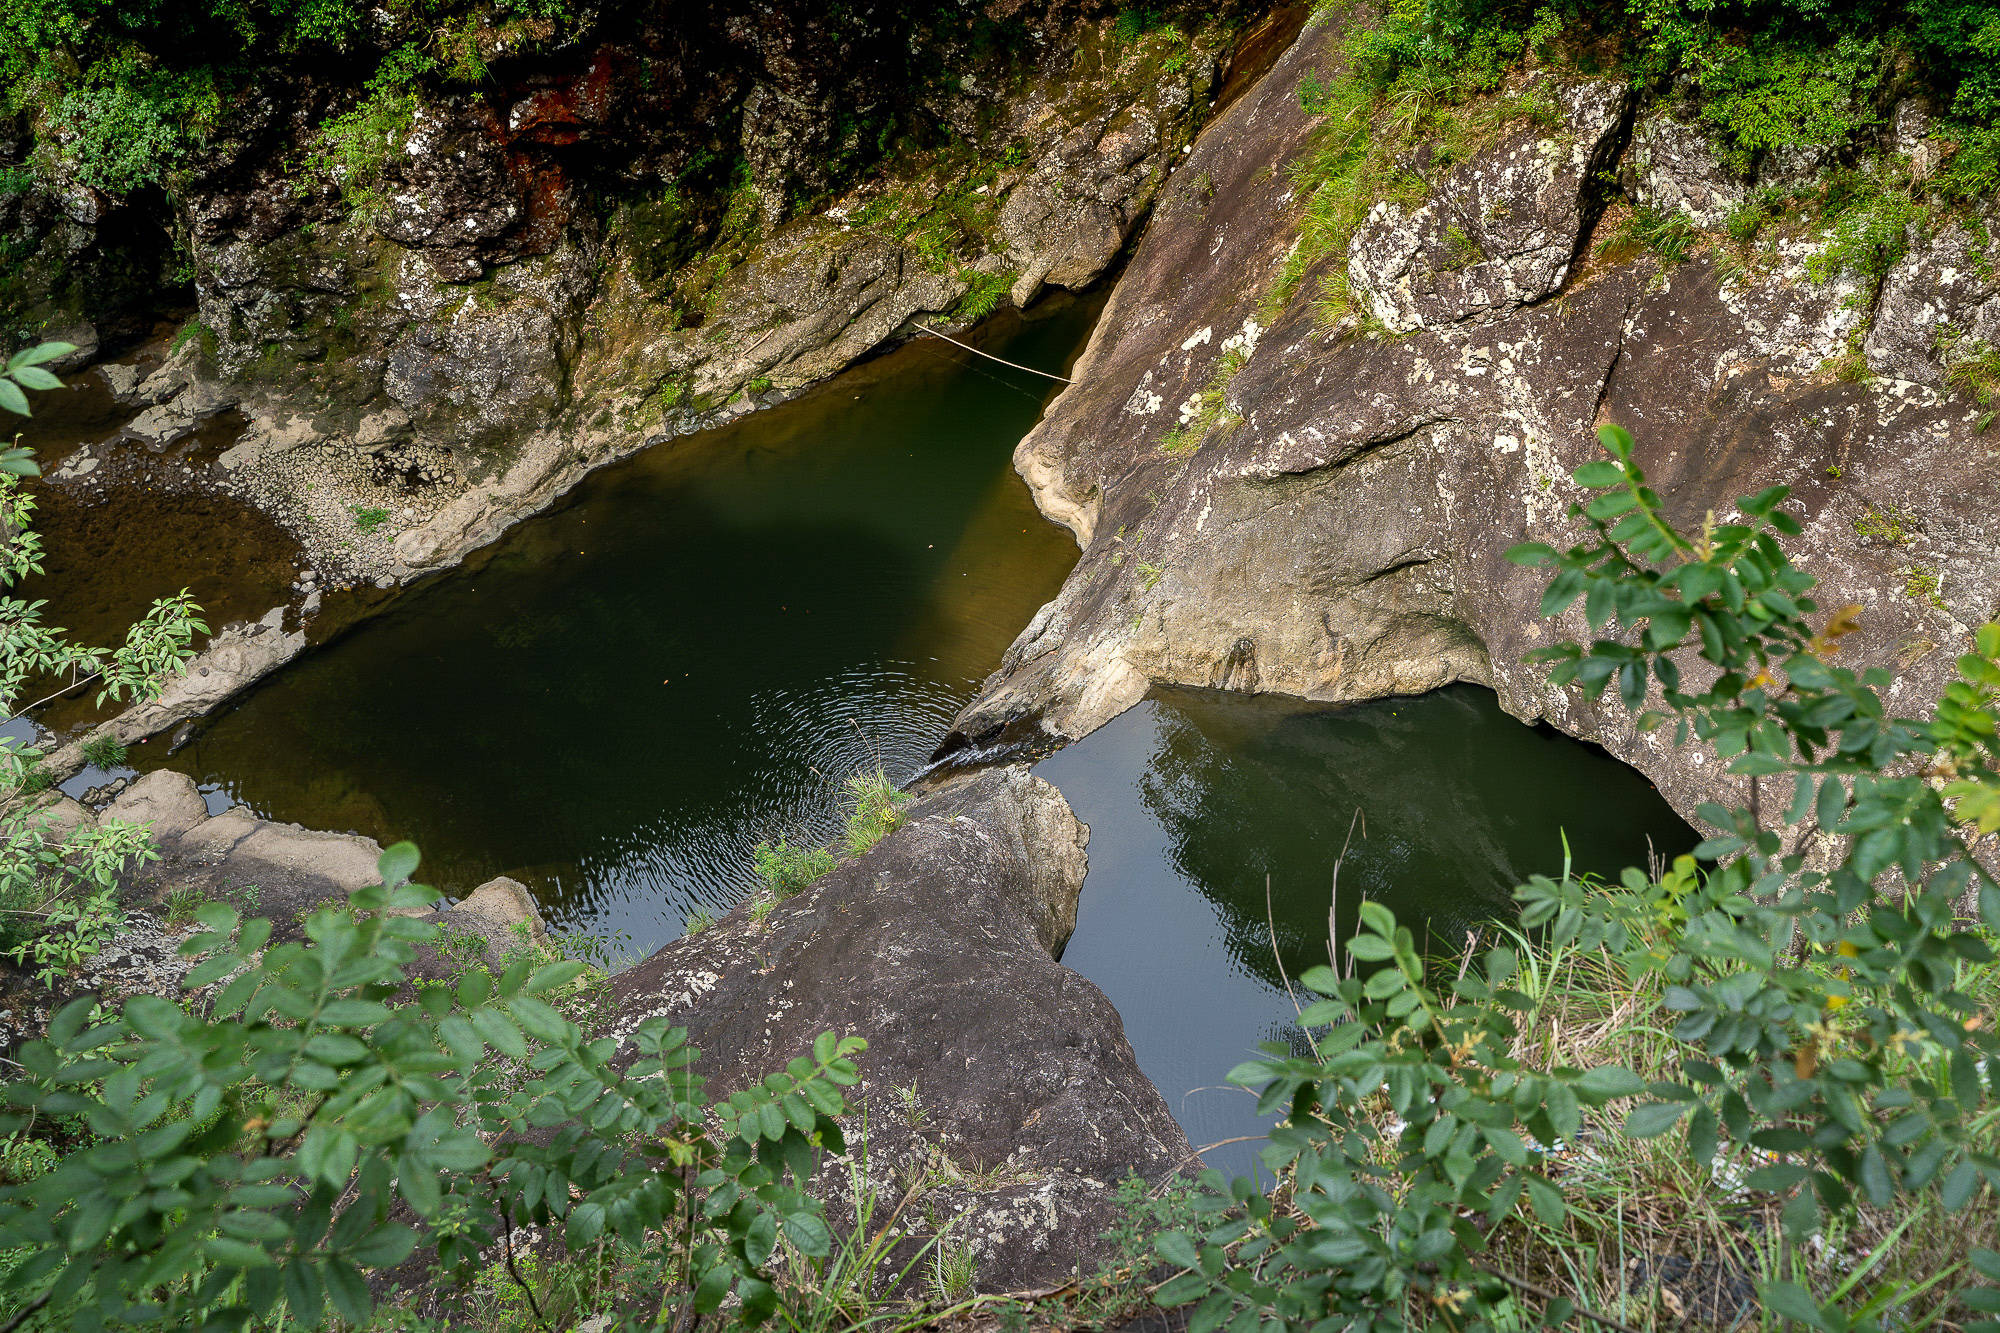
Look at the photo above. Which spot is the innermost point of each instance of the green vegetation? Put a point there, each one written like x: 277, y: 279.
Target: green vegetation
x: 189, y: 332
x: 983, y: 294
x: 58, y: 899
x: 368, y: 518
x: 1886, y: 524
x: 128, y: 91
x: 1921, y: 583
x: 1669, y: 235
x: 105, y: 751
x: 787, y: 870
x: 1747, y: 1054
x: 1971, y: 367
x: 877, y: 810
x: 1208, y: 410
x: 1765, y: 76
x: 316, y: 1134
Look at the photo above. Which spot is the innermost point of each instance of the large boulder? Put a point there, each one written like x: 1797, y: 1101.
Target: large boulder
x: 994, y: 1073
x: 1345, y: 539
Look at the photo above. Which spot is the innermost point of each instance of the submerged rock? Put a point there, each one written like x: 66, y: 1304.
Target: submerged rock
x: 992, y: 1071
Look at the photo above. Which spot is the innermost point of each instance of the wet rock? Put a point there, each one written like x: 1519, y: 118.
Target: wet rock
x: 82, y: 335
x: 1003, y: 1073
x: 179, y: 417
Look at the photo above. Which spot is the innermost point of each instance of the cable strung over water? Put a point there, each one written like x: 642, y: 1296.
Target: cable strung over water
x: 990, y: 357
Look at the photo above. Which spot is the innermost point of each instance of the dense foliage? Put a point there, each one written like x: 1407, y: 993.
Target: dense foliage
x: 1821, y: 1052
x: 290, y: 1132
x: 1766, y: 75
x: 125, y: 90
x: 57, y: 883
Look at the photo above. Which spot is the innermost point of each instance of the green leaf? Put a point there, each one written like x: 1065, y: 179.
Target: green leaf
x: 1601, y: 1084
x: 538, y: 1020
x: 385, y: 1246
x: 1598, y: 475
x: 228, y: 1252
x: 808, y: 1232
x: 1175, y: 1248
x: 554, y: 975
x: 40, y: 353
x: 13, y: 399
x: 1655, y: 1118
x: 1546, y: 1200
x: 1958, y: 1186
x: 349, y: 1291
x: 397, y: 863
x: 709, y: 1293
x: 494, y: 1027
x: 34, y: 377
x: 1794, y: 1302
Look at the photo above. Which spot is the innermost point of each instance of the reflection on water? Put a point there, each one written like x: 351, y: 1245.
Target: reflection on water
x: 625, y: 696
x: 1215, y: 825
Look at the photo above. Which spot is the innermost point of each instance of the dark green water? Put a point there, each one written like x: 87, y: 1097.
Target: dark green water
x: 618, y: 700
x: 690, y: 656
x: 1194, y: 799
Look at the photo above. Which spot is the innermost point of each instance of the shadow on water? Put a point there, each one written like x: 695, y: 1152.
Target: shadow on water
x: 621, y: 698
x: 1195, y: 799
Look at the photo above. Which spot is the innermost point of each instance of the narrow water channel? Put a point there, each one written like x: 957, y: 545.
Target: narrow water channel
x: 1196, y: 802
x: 620, y: 699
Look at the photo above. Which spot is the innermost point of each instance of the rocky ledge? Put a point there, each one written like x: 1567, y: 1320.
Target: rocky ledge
x: 1333, y: 528
x: 997, y: 1084
x: 1000, y: 1102
x: 545, y: 277
x: 282, y: 872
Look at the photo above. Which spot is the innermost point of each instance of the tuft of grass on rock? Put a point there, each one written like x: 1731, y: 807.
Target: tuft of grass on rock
x: 105, y: 751
x: 877, y: 810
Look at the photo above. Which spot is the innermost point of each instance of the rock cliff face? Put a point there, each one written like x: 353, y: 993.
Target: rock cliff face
x: 687, y: 212
x: 997, y: 1083
x: 1339, y: 534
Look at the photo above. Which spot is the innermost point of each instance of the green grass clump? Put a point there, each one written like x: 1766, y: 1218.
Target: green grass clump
x: 1658, y: 231
x: 1210, y: 409
x: 1971, y: 367
x: 367, y: 518
x: 787, y: 870
x: 877, y: 812
x: 105, y: 751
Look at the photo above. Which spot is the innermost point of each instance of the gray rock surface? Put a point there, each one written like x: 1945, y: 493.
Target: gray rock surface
x: 990, y: 1066
x: 1345, y: 540
x: 1499, y: 231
